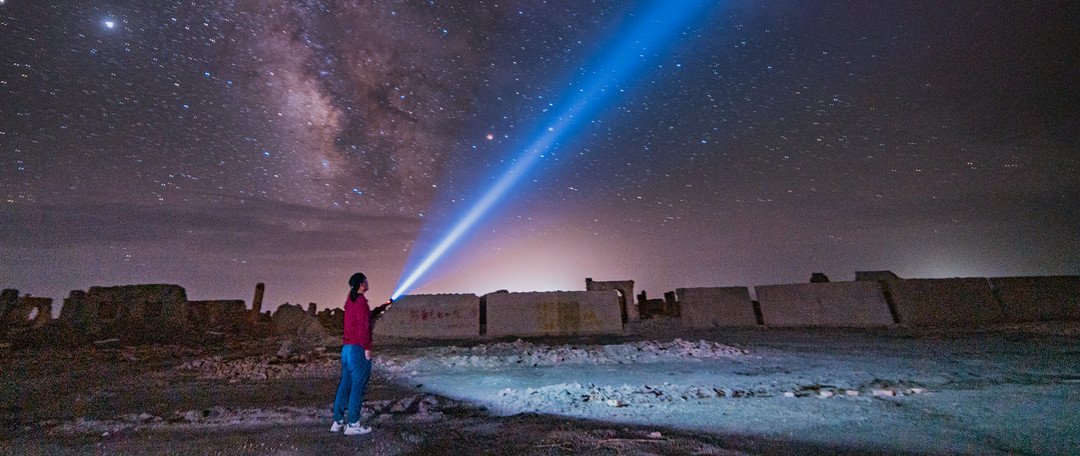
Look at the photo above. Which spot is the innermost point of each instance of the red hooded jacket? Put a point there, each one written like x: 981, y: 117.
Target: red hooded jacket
x: 358, y: 322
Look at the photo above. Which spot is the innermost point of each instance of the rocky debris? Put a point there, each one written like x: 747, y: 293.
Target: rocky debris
x: 582, y: 395
x: 418, y: 408
x: 520, y: 353
x: 286, y: 349
x: 577, y: 395
x: 304, y: 331
x: 265, y: 367
x: 876, y: 388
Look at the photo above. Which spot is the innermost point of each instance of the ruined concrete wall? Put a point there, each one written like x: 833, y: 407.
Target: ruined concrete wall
x: 1048, y: 298
x: 875, y: 275
x: 945, y: 302
x: 7, y: 299
x: 432, y: 316
x: 660, y: 307
x: 256, y: 301
x: 288, y: 319
x: 293, y: 323
x: 837, y: 304
x: 26, y: 312
x: 671, y: 305
x: 715, y: 307
x: 652, y: 308
x: 75, y: 314
x: 553, y: 313
x: 218, y: 315
x: 136, y: 312
x: 333, y: 320
x: 628, y: 311
x: 43, y: 308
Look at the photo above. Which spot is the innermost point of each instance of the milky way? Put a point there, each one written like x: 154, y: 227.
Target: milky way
x: 217, y: 144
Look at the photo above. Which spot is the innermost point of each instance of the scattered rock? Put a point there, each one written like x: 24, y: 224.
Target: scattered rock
x: 286, y: 348
x: 107, y: 343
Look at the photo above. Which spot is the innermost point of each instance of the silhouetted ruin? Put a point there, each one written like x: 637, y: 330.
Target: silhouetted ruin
x: 161, y: 313
x: 20, y: 313
x: 230, y: 315
x: 256, y: 301
x: 141, y: 313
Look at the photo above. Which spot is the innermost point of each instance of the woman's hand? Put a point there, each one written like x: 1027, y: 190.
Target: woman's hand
x: 367, y: 354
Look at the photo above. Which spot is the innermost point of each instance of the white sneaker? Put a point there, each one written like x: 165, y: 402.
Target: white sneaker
x: 337, y: 426
x: 357, y: 429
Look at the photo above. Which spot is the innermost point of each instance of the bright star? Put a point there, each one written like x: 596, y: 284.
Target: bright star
x: 108, y: 24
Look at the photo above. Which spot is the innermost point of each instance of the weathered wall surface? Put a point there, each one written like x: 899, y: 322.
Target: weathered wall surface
x: 627, y: 310
x: 256, y: 301
x: 652, y: 308
x: 7, y: 299
x: 136, y: 312
x: 945, y: 302
x: 553, y: 313
x: 293, y: 323
x: 26, y: 312
x: 838, y: 304
x: 220, y: 315
x: 1048, y: 298
x: 288, y: 319
x: 432, y: 316
x: 875, y: 275
x: 333, y: 320
x: 715, y: 307
x: 74, y: 310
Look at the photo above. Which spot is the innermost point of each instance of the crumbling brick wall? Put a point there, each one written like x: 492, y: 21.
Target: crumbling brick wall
x: 225, y: 315
x: 153, y: 312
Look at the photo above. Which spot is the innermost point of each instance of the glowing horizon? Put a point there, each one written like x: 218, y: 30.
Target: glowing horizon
x: 628, y: 53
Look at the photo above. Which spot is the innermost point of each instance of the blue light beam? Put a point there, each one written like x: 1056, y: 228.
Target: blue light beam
x: 627, y: 54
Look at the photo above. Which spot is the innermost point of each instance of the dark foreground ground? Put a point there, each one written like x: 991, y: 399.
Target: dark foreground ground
x: 135, y: 400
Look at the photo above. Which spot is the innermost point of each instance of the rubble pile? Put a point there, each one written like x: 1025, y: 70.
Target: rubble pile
x: 576, y: 395
x: 422, y: 408
x: 264, y: 367
x: 521, y: 353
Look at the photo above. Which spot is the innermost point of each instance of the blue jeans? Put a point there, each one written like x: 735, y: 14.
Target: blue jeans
x: 355, y: 370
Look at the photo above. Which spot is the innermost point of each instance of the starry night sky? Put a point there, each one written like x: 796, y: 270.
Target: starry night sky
x: 219, y: 143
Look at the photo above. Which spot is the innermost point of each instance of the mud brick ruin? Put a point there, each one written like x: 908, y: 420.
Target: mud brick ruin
x: 161, y: 313
x: 153, y: 313
x: 24, y: 312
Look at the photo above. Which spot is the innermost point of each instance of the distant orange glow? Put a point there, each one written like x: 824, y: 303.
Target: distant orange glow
x: 529, y: 263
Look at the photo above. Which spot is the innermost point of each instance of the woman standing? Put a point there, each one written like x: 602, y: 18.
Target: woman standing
x: 355, y: 357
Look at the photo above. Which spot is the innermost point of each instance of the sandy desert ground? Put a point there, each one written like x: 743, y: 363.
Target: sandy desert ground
x: 657, y: 389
